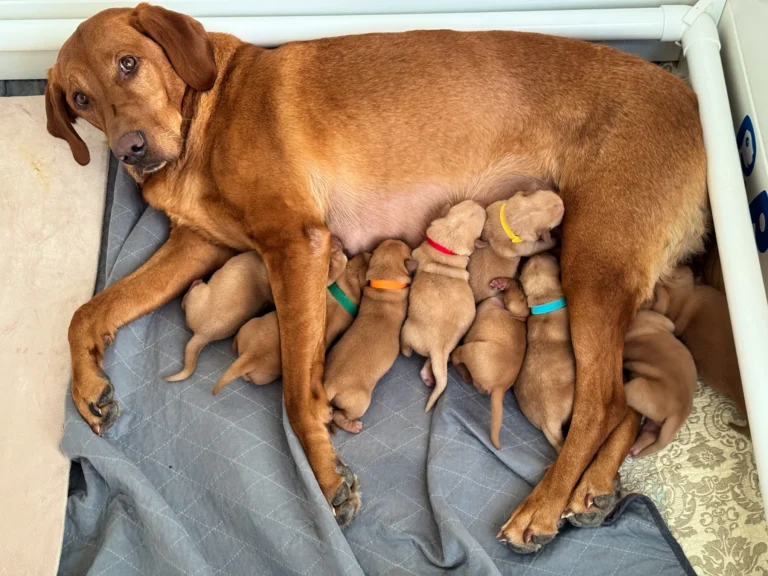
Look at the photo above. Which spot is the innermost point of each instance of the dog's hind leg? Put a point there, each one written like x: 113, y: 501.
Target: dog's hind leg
x: 599, y: 489
x: 622, y: 229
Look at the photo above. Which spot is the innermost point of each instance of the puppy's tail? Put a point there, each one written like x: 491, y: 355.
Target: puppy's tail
x: 440, y: 370
x: 191, y: 353
x: 240, y: 367
x: 497, y: 410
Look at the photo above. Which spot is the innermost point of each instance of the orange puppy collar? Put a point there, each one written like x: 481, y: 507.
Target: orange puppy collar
x: 387, y: 284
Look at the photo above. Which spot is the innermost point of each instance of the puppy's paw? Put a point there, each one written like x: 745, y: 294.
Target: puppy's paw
x: 427, y: 376
x: 346, y: 501
x: 500, y: 283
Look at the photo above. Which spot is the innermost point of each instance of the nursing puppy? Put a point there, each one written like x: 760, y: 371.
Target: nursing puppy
x: 369, y: 348
x: 441, y: 307
x: 662, y: 380
x: 493, y: 349
x: 258, y: 342
x: 545, y: 386
x: 702, y: 322
x: 520, y: 226
x: 217, y: 309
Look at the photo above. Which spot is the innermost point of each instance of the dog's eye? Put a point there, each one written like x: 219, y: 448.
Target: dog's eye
x: 127, y: 64
x: 81, y: 100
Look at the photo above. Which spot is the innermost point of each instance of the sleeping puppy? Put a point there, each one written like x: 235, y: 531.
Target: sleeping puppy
x: 369, y: 348
x: 520, y: 226
x: 702, y: 322
x: 494, y: 348
x: 217, y: 309
x: 441, y: 307
x: 545, y: 386
x: 258, y: 341
x: 662, y: 380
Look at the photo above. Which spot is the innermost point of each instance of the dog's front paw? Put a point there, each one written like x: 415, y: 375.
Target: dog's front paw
x: 346, y: 501
x: 94, y: 398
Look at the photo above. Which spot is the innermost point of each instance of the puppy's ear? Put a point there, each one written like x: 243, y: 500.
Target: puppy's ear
x: 660, y: 302
x: 336, y: 244
x: 411, y: 265
x: 480, y: 243
x: 60, y: 117
x: 184, y: 40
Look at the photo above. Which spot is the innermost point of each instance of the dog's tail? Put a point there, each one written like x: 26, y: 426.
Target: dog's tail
x: 191, y: 353
x: 440, y: 370
x: 497, y: 410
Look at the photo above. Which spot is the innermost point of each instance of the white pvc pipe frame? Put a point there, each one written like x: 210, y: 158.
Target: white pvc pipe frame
x: 698, y: 34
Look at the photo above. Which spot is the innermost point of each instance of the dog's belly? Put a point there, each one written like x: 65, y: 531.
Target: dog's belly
x: 363, y: 219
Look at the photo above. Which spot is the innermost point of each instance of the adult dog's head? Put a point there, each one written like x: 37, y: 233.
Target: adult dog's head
x: 125, y: 71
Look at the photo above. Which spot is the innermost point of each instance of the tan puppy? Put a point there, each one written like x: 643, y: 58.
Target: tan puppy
x: 217, y: 309
x: 493, y: 349
x: 370, y: 346
x: 662, y: 379
x: 545, y: 386
x: 258, y: 341
x: 520, y: 226
x: 702, y: 322
x: 441, y: 307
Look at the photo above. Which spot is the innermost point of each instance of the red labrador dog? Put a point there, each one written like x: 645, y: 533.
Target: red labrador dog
x: 368, y: 137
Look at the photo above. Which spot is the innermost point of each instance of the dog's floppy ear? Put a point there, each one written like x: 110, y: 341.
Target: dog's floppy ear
x: 184, y: 40
x: 411, y: 265
x: 60, y: 118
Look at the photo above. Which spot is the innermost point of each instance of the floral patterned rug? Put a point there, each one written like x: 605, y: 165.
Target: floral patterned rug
x: 705, y: 486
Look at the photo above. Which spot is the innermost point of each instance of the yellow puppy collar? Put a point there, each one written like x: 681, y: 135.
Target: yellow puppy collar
x: 512, y: 236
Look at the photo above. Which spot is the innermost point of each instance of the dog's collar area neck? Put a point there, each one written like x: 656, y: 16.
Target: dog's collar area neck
x: 512, y: 236
x: 343, y: 299
x: 440, y: 247
x: 387, y: 284
x: 548, y: 307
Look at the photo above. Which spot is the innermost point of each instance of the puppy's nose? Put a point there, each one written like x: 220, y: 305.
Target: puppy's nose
x: 130, y: 147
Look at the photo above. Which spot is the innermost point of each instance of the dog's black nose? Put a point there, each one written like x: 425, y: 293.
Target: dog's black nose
x: 130, y: 147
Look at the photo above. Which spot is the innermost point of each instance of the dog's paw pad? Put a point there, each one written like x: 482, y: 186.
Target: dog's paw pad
x: 346, y: 501
x: 105, y: 409
x: 597, y: 508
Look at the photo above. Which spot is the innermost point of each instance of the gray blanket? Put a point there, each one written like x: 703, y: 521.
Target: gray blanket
x: 188, y: 483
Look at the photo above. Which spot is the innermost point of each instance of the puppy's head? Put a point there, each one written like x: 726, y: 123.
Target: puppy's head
x: 530, y: 216
x: 125, y: 71
x: 648, y: 323
x: 540, y: 278
x: 515, y: 301
x: 459, y: 228
x: 356, y: 271
x: 388, y: 262
x: 338, y: 260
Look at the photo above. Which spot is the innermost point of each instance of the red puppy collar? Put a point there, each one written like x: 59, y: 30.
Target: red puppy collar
x: 440, y: 247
